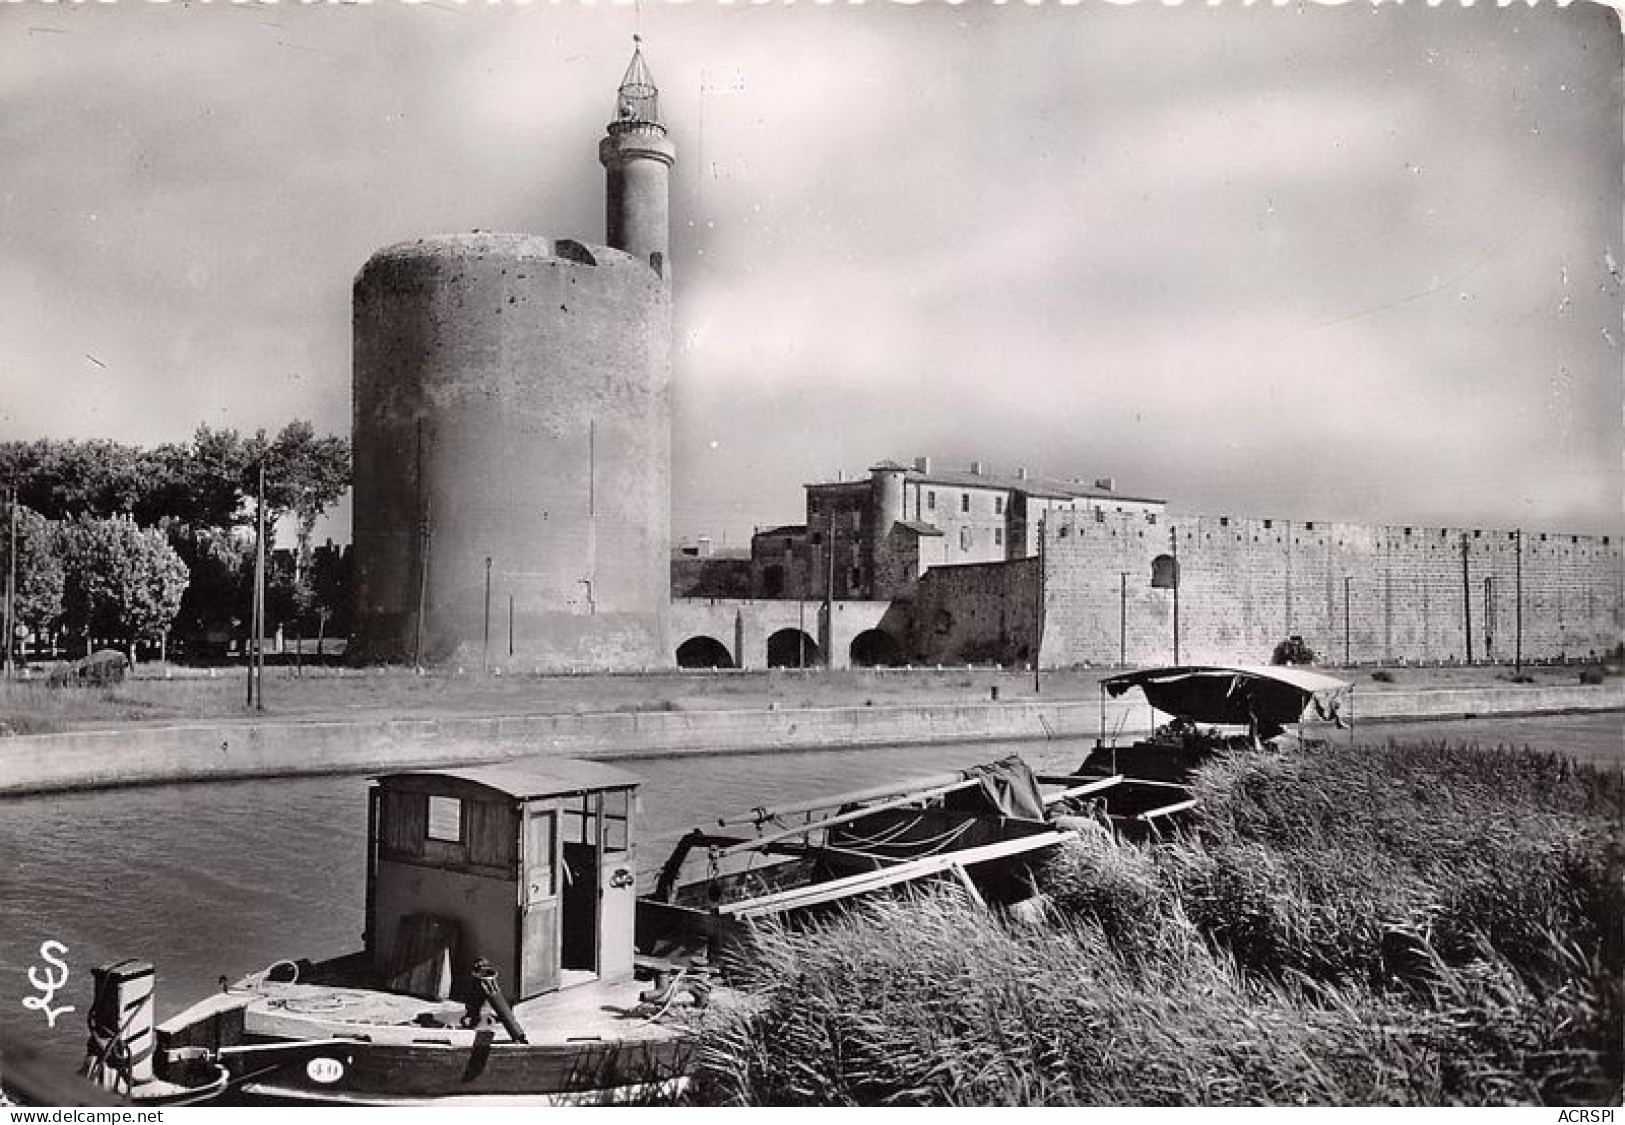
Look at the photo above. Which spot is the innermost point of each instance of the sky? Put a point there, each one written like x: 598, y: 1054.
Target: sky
x: 1309, y: 262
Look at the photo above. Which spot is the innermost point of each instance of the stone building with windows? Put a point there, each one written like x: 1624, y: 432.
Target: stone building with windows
x: 872, y: 538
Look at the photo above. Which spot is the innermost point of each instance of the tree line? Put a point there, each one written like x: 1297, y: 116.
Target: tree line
x: 136, y: 545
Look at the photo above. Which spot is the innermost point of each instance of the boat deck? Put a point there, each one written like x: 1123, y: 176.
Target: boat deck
x: 581, y: 1012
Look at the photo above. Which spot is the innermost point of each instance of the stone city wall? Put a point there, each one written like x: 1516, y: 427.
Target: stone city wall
x: 1353, y: 592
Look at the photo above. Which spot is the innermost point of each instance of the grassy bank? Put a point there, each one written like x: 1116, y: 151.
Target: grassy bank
x: 165, y: 694
x: 1410, y: 925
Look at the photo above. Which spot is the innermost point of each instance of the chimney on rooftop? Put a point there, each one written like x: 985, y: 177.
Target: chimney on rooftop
x: 1021, y: 473
x: 840, y: 475
x: 1109, y: 484
x: 976, y: 468
x: 922, y: 464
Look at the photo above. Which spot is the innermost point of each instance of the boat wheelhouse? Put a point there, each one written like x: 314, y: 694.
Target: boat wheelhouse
x: 497, y: 964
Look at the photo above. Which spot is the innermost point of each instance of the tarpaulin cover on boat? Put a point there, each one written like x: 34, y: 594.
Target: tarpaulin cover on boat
x: 1007, y: 788
x: 1236, y: 695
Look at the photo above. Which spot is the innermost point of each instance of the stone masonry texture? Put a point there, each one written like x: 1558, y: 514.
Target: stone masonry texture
x: 512, y: 403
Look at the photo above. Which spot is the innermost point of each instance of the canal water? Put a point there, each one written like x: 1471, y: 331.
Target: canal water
x: 224, y: 878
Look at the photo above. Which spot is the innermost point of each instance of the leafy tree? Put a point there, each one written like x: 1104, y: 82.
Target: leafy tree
x: 122, y: 581
x: 304, y: 476
x: 62, y: 479
x: 40, y: 575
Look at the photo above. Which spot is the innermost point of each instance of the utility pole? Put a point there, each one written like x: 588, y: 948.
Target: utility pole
x: 1489, y: 619
x: 1347, y: 645
x: 485, y: 643
x: 1517, y: 609
x: 256, y: 627
x: 11, y: 586
x: 1173, y: 535
x: 829, y: 595
x: 1122, y: 619
x: 1038, y: 614
x: 423, y: 559
x: 510, y: 626
x: 1466, y: 600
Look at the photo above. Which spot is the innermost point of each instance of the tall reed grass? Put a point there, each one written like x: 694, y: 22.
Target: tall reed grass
x: 1406, y: 925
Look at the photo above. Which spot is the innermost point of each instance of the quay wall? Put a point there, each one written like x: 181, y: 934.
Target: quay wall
x: 155, y: 755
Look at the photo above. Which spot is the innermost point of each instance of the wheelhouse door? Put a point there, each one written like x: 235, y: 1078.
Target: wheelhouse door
x: 617, y: 886
x: 539, y: 894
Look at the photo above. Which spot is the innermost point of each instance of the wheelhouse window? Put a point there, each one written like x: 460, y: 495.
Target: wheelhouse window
x: 617, y: 810
x: 446, y: 820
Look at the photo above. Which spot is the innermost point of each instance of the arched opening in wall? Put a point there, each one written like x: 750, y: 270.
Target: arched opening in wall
x: 873, y: 648
x: 772, y: 581
x: 792, y: 648
x: 1164, y: 572
x: 703, y: 652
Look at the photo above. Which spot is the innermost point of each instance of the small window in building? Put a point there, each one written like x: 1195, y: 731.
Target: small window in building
x: 964, y: 501
x: 1100, y: 515
x: 817, y: 538
x: 446, y: 819
x: 931, y: 500
x: 857, y: 520
x: 998, y: 536
x: 998, y: 505
x: 1269, y: 523
x: 1310, y: 526
x: 1151, y: 517
x: 857, y: 576
x: 964, y: 539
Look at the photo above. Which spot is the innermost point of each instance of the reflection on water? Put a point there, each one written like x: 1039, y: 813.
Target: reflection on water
x: 222, y: 879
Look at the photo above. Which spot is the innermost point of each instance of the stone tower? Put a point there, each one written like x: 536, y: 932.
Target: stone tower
x: 512, y: 435
x: 637, y: 161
